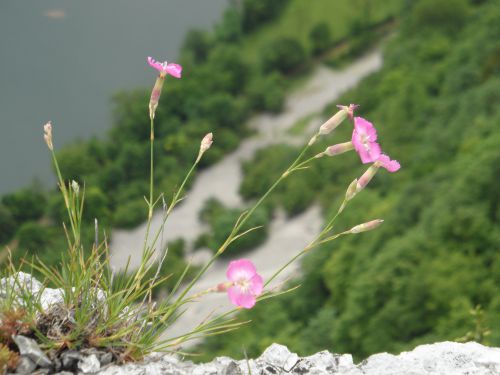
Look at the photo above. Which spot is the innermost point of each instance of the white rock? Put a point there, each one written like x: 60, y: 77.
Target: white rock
x: 89, y: 365
x: 446, y: 358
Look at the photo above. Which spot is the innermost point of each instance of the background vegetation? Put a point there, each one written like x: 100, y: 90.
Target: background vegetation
x: 415, y: 279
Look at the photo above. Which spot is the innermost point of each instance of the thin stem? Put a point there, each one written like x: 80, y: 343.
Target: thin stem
x: 151, y: 184
x: 284, y: 266
x: 62, y: 186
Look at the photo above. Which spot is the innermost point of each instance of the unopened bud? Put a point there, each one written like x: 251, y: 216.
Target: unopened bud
x: 206, y: 142
x: 351, y: 190
x: 47, y: 129
x: 222, y: 287
x: 337, y: 118
x: 367, y: 177
x: 155, y: 96
x: 339, y: 148
x: 370, y: 225
x: 75, y: 187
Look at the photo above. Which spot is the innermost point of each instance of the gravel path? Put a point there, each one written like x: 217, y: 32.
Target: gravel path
x: 222, y: 181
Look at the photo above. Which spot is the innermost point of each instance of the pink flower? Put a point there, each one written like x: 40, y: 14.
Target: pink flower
x: 386, y: 162
x: 164, y: 68
x: 246, y: 284
x: 364, y: 139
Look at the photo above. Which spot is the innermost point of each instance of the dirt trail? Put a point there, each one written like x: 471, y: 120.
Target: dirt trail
x: 222, y: 181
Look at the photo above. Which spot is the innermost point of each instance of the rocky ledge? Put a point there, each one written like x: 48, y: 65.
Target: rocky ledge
x: 445, y: 358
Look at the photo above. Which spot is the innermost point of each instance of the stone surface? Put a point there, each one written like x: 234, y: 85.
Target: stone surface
x: 23, y: 283
x: 89, y: 365
x: 25, y: 366
x: 30, y: 349
x: 446, y: 358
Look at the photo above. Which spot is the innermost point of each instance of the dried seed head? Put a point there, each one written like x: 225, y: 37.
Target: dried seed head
x: 47, y: 130
x: 205, y: 144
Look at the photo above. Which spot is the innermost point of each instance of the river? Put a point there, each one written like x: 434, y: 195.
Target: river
x: 62, y: 60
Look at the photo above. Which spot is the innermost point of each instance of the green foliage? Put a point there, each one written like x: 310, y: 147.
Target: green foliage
x: 197, y: 43
x: 321, y: 37
x: 7, y: 223
x: 230, y: 28
x: 268, y: 93
x: 25, y: 205
x: 129, y: 213
x: 283, y: 55
x: 416, y: 278
x: 32, y: 237
x: 446, y: 15
x: 256, y: 12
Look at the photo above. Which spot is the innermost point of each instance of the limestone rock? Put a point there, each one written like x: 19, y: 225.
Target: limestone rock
x: 30, y: 349
x: 446, y: 358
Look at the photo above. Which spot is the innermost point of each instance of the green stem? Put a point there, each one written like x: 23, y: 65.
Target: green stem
x: 151, y: 184
x: 284, y: 266
x: 64, y: 192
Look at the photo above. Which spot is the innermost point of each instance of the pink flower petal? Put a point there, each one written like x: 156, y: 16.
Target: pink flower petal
x: 238, y: 298
x: 364, y: 138
x: 155, y: 64
x: 240, y: 269
x: 365, y: 128
x: 386, y: 162
x: 256, y: 285
x: 175, y: 70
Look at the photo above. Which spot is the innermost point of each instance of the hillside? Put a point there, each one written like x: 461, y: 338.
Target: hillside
x: 415, y: 279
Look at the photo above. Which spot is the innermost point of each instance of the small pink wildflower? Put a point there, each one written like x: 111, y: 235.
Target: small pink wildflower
x: 175, y: 70
x: 364, y: 139
x: 246, y: 283
x: 386, y: 162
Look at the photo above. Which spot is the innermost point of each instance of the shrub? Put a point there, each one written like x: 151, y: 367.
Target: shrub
x: 7, y: 224
x: 267, y: 94
x: 445, y: 15
x: 320, y: 37
x: 283, y: 54
x: 25, y: 205
x: 198, y: 44
x: 257, y: 12
x: 130, y: 213
x: 32, y: 237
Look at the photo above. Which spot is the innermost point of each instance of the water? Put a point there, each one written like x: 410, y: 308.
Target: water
x: 62, y: 60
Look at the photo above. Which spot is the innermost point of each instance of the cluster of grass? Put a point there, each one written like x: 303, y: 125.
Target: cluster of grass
x: 417, y: 279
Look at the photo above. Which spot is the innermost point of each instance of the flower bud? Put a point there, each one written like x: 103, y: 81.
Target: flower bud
x: 206, y: 142
x: 337, y: 118
x: 339, y: 148
x: 75, y: 187
x: 370, y: 225
x: 333, y: 122
x: 367, y: 177
x: 155, y: 96
x: 47, y: 129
